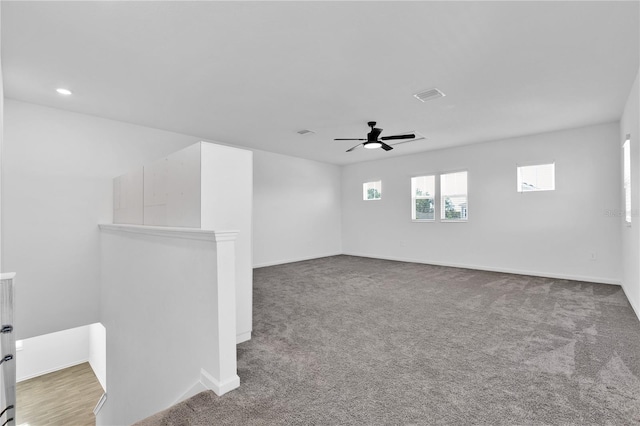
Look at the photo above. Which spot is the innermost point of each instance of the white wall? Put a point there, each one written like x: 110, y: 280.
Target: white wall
x: 541, y: 233
x: 227, y: 198
x: 55, y: 351
x: 98, y: 352
x: 52, y: 352
x: 159, y: 307
x: 57, y: 186
x: 2, y: 269
x: 297, y: 209
x: 205, y: 185
x: 631, y: 234
x: 58, y: 169
x: 2, y: 392
x: 172, y: 189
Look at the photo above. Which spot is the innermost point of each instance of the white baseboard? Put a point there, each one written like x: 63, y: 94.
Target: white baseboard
x: 220, y: 388
x: 297, y: 259
x: 208, y: 382
x: 599, y: 280
x: 633, y: 306
x: 51, y: 370
x: 193, y: 390
x: 243, y: 337
x: 100, y: 404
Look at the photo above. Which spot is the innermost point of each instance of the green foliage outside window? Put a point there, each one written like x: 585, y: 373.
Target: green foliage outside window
x: 424, y: 206
x: 373, y: 194
x: 450, y: 211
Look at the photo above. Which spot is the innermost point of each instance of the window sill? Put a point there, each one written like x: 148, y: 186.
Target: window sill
x: 454, y: 220
x: 423, y: 220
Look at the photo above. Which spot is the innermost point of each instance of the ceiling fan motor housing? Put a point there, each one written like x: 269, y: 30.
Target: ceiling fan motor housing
x: 372, y: 136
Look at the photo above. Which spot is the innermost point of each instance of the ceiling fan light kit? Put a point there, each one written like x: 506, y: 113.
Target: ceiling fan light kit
x: 372, y: 145
x: 372, y: 141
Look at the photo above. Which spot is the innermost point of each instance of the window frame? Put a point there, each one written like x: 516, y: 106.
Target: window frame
x: 365, y: 190
x: 441, y: 200
x: 519, y: 182
x: 626, y: 179
x: 433, y: 197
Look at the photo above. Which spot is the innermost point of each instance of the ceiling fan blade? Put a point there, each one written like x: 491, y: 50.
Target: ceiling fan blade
x: 412, y: 140
x: 388, y: 138
x: 352, y: 148
x: 341, y: 139
x: 385, y: 146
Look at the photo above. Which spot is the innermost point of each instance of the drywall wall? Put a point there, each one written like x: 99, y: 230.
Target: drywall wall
x: 52, y: 352
x: 2, y: 269
x: 58, y: 170
x: 172, y: 189
x: 161, y: 306
x: 57, y: 186
x: 3, y: 395
x: 98, y: 352
x: 128, y: 197
x: 297, y: 209
x: 552, y: 233
x: 226, y: 199
x: 631, y: 234
x: 207, y: 186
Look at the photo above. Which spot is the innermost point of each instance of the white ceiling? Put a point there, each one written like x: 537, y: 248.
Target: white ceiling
x: 254, y: 73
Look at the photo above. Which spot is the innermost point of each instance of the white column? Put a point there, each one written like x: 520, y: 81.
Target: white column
x: 226, y: 369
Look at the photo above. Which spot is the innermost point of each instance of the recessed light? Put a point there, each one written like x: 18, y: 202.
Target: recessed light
x: 62, y: 91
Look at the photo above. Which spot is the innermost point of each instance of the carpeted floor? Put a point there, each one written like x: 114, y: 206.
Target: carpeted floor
x: 349, y: 340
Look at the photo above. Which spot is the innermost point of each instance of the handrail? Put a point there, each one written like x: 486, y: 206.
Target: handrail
x: 7, y: 352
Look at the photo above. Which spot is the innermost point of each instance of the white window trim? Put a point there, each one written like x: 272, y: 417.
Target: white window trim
x: 626, y: 183
x: 440, y: 201
x: 364, y: 191
x: 434, y: 197
x: 529, y: 164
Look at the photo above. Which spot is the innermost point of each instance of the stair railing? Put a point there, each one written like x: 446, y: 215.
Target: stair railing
x: 7, y: 352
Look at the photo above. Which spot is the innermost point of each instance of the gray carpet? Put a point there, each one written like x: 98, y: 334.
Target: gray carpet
x: 349, y: 340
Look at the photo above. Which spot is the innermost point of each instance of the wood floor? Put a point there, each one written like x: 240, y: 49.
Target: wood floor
x: 65, y: 397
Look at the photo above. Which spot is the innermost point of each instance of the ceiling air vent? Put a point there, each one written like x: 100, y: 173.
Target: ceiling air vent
x: 427, y: 95
x: 305, y: 132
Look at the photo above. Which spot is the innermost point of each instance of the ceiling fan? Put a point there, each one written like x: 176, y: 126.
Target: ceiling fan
x: 372, y: 141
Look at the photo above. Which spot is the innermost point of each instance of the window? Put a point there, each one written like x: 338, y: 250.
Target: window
x: 541, y: 177
x: 453, y: 196
x: 423, y: 189
x: 626, y: 171
x: 372, y: 190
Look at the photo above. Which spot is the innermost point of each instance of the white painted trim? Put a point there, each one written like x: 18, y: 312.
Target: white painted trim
x: 192, y: 391
x: 598, y: 280
x: 100, y: 403
x: 7, y: 275
x: 635, y: 309
x: 221, y: 236
x: 219, y: 388
x: 243, y: 337
x: 52, y: 370
x: 299, y: 259
x: 172, y: 232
